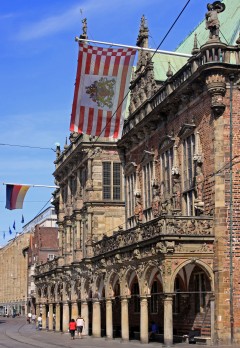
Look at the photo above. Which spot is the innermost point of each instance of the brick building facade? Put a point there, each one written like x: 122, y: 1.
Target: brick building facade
x: 13, y: 276
x: 176, y: 262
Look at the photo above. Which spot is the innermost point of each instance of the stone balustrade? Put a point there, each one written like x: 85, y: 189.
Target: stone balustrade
x: 163, y: 226
x: 210, y: 53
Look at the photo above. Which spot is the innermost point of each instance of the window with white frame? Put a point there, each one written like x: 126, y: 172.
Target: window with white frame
x: 51, y: 257
x: 188, y: 173
x: 112, y: 181
x: 147, y: 185
x: 131, y: 185
x: 166, y: 160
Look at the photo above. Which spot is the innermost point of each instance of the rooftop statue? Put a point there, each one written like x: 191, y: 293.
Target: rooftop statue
x: 84, y: 28
x: 212, y: 22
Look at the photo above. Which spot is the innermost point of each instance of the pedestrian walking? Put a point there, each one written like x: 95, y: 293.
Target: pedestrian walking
x: 29, y: 317
x: 39, y: 320
x: 72, y: 328
x: 80, y: 326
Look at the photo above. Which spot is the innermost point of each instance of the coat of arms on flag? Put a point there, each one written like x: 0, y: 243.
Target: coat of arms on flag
x: 102, y: 82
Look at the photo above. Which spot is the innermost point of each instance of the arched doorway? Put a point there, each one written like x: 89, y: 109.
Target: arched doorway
x: 191, y: 302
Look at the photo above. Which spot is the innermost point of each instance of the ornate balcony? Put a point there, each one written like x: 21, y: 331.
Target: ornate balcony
x: 167, y: 227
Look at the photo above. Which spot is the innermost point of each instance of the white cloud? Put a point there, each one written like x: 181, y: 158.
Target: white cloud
x: 49, y: 25
x: 57, y: 23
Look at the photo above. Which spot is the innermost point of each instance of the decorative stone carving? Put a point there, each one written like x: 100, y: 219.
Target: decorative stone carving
x: 216, y: 86
x: 212, y: 22
x: 176, y: 193
x: 166, y: 206
x: 156, y: 199
x: 138, y: 211
x: 199, y: 180
x: 195, y: 49
x: 164, y: 226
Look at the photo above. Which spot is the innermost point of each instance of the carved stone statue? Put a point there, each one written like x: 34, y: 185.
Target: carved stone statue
x: 138, y: 211
x: 199, y: 204
x: 176, y: 193
x: 156, y: 200
x: 212, y: 22
x: 84, y: 27
x: 199, y: 183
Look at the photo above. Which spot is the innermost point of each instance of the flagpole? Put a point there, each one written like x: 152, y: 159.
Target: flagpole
x: 136, y: 48
x: 4, y: 183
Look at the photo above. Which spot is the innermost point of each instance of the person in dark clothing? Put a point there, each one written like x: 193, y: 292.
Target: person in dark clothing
x: 153, y: 330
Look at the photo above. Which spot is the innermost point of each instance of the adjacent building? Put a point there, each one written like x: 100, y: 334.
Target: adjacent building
x: 43, y: 246
x: 162, y: 246
x: 13, y: 276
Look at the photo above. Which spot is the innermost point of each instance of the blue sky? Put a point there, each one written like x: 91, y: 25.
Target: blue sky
x: 38, y: 59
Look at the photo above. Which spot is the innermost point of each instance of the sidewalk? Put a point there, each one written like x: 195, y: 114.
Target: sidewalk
x: 20, y: 331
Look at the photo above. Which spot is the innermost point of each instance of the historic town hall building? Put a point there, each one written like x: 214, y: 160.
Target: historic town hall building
x: 161, y: 246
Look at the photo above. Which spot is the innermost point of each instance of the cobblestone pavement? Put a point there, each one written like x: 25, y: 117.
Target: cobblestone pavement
x: 17, y: 333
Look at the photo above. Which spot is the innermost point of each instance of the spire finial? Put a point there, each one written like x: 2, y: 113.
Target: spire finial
x: 66, y: 145
x: 169, y: 72
x: 238, y: 39
x: 195, y: 49
x: 142, y: 40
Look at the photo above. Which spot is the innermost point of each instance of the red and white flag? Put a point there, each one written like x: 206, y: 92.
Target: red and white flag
x: 102, y: 82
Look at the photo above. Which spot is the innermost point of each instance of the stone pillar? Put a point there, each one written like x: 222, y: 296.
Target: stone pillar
x: 85, y: 315
x: 124, y: 319
x: 74, y: 310
x: 44, y: 317
x: 50, y: 318
x: 57, y: 322
x: 65, y: 318
x: 144, y: 320
x: 109, y: 319
x: 168, y: 320
x: 78, y: 227
x: 68, y: 237
x: 212, y: 308
x: 37, y: 313
x: 60, y: 238
x: 96, y: 319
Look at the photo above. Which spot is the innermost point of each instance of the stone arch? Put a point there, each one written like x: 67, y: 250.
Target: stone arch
x: 85, y: 289
x: 127, y: 281
x: 205, y: 267
x: 111, y: 282
x: 192, y: 285
x: 150, y: 273
x: 51, y: 292
x: 98, y: 289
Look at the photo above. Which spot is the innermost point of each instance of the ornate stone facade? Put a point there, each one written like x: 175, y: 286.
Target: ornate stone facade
x: 170, y: 262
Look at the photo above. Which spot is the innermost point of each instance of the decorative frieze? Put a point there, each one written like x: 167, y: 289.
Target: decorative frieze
x: 216, y: 86
x: 164, y: 226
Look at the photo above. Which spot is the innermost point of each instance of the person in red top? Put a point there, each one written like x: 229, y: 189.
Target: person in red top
x: 72, y: 328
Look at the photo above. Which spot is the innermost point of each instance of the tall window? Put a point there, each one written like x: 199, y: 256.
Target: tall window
x: 147, y: 182
x: 131, y: 184
x: 112, y: 180
x: 200, y: 289
x: 166, y: 171
x: 188, y: 153
x: 188, y: 173
x: 136, y: 298
x: 154, y: 298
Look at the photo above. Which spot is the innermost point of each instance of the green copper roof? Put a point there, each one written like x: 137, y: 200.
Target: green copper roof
x: 229, y: 28
x: 161, y: 65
